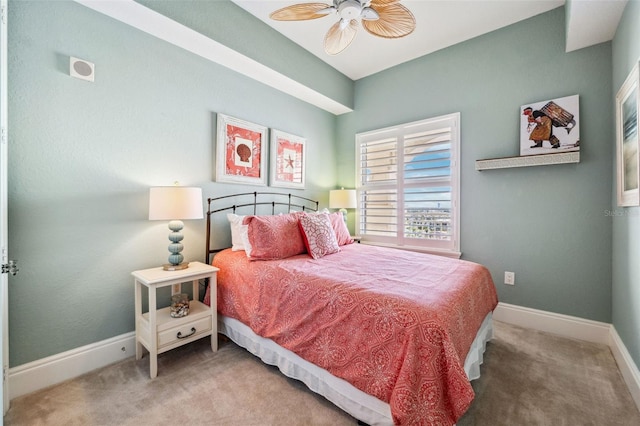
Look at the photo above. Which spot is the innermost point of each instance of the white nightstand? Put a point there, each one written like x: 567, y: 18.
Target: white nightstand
x: 156, y: 330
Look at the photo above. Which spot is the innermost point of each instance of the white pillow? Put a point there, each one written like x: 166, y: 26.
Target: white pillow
x: 245, y: 241
x: 238, y: 232
x: 325, y: 210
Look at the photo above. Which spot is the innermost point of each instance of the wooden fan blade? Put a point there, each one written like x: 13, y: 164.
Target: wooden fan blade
x: 395, y: 21
x: 378, y: 3
x: 338, y: 39
x: 300, y: 12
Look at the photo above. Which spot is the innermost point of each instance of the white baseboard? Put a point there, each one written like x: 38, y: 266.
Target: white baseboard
x: 562, y: 325
x: 55, y: 369
x: 576, y: 328
x: 628, y: 368
x: 49, y: 371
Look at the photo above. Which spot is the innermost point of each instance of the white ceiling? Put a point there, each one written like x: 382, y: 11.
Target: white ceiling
x: 439, y: 24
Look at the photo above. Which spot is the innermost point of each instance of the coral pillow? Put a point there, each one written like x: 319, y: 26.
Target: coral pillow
x: 340, y: 229
x: 273, y: 237
x: 319, y: 237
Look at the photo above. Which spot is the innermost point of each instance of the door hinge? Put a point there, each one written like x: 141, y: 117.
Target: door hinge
x: 4, y: 14
x: 3, y: 135
x: 10, y: 268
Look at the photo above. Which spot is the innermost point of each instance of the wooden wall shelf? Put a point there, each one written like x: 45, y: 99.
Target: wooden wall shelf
x: 528, y: 161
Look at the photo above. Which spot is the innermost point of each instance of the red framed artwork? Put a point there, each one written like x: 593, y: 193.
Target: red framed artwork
x: 287, y: 160
x: 240, y: 151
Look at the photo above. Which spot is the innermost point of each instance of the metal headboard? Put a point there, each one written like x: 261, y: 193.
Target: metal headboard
x: 254, y: 199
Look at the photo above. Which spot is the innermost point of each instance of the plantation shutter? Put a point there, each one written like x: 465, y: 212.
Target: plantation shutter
x: 407, y: 184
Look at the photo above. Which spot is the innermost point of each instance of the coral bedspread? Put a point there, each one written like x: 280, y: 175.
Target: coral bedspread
x: 395, y: 324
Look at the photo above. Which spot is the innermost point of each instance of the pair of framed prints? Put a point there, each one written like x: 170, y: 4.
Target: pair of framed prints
x: 241, y: 155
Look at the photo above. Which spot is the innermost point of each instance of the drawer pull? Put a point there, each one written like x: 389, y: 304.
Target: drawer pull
x: 180, y: 336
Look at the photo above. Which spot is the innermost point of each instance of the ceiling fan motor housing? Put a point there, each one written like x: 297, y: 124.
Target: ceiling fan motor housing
x: 349, y: 9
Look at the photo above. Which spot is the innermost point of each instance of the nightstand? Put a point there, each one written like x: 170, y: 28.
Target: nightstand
x: 156, y: 330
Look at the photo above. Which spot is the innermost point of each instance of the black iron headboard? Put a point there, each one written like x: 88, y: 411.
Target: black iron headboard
x: 250, y: 202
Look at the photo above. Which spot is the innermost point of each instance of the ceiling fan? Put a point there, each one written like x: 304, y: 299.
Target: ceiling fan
x: 382, y: 18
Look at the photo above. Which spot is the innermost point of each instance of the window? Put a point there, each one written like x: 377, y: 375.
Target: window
x: 408, y: 185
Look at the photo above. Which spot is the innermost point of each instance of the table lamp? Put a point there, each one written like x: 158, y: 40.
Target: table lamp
x: 343, y: 199
x: 175, y: 203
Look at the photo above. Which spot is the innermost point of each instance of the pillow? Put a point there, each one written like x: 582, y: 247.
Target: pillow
x: 340, y: 229
x: 245, y: 242
x: 238, y: 231
x: 318, y: 234
x: 325, y: 210
x: 274, y: 237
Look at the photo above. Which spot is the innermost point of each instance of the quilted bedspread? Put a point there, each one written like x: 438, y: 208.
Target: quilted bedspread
x: 395, y: 324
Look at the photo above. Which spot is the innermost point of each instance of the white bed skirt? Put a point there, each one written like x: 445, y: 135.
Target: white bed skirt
x: 360, y: 405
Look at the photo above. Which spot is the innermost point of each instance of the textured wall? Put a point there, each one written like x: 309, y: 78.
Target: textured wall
x: 83, y: 156
x: 547, y: 223
x: 232, y: 26
x: 626, y: 221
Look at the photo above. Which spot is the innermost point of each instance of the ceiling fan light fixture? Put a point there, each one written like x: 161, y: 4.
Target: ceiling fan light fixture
x: 349, y: 9
x: 369, y: 14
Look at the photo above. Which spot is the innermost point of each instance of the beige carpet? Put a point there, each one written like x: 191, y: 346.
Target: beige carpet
x: 528, y: 378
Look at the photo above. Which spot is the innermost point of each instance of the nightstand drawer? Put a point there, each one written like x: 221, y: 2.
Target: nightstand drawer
x: 184, y: 332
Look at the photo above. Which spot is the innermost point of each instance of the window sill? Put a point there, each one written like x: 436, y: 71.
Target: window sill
x: 440, y: 252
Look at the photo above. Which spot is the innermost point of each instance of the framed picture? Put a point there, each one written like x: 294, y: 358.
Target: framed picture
x: 627, y: 140
x: 287, y: 160
x: 550, y: 127
x: 241, y: 151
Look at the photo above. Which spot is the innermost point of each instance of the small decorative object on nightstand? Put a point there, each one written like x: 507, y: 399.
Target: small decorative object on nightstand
x: 160, y: 330
x: 179, y: 305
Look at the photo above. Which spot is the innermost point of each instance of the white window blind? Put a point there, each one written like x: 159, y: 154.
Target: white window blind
x: 408, y: 184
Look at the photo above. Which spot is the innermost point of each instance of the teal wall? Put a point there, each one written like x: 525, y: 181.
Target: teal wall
x: 83, y: 156
x: 232, y: 26
x: 626, y: 223
x: 546, y: 224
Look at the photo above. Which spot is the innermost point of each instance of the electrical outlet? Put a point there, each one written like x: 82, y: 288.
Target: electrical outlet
x: 510, y: 278
x: 176, y: 288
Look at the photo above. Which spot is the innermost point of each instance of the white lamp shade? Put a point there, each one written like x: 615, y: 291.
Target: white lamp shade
x: 342, y: 199
x: 175, y: 203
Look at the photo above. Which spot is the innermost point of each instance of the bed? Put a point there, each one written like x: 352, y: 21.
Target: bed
x: 390, y: 336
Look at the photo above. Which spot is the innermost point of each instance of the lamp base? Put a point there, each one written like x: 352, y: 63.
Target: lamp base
x: 344, y: 214
x: 179, y: 267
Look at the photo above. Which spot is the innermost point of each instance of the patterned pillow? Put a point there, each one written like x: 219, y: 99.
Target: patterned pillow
x: 319, y: 237
x: 340, y: 228
x: 273, y: 237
